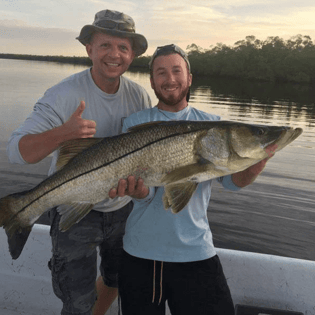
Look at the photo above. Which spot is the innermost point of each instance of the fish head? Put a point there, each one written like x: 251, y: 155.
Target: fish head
x: 251, y: 141
x: 236, y: 146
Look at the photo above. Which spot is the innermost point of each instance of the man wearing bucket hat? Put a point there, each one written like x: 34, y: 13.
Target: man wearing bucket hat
x: 171, y: 257
x: 91, y: 103
x: 115, y: 24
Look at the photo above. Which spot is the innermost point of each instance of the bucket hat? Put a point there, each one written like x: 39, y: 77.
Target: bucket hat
x: 116, y: 24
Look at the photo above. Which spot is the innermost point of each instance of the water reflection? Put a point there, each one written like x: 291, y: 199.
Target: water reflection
x: 264, y: 92
x: 266, y: 101
x: 258, y: 102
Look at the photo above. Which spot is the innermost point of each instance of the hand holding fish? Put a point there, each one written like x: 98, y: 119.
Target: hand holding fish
x: 248, y: 176
x: 130, y: 187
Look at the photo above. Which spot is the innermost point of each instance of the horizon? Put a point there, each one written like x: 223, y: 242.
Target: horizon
x: 146, y: 54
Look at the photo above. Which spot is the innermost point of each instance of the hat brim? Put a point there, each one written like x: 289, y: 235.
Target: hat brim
x: 140, y: 43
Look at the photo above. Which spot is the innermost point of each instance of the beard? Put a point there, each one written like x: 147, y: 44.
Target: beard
x: 172, y: 99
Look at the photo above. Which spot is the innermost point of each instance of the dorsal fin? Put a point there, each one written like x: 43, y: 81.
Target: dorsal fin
x: 69, y: 149
x: 144, y: 126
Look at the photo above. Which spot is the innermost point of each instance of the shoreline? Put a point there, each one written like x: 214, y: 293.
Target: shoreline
x: 141, y: 64
x: 74, y: 60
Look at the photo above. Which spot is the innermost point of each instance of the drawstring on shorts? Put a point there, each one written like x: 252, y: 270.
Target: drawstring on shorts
x: 119, y: 304
x: 161, y: 282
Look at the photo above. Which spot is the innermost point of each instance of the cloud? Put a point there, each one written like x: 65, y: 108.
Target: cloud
x: 18, y: 37
x: 13, y: 23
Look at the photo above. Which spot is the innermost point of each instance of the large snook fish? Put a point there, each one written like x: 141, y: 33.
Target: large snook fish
x: 175, y: 154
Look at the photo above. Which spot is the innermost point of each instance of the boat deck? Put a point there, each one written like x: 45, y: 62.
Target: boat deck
x: 254, y: 279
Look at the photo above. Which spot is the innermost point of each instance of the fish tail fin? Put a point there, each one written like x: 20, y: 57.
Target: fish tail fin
x: 17, y: 237
x: 17, y: 234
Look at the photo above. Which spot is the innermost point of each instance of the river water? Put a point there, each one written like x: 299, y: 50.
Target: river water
x: 274, y: 215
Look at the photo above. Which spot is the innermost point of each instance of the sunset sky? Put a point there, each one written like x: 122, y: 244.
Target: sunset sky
x: 49, y: 27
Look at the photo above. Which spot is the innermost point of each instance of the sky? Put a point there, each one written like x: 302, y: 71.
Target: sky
x: 49, y: 27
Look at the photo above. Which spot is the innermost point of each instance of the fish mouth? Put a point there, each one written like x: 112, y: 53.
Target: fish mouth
x: 287, y: 135
x: 296, y: 133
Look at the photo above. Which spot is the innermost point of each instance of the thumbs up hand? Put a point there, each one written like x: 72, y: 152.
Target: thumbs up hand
x: 77, y: 127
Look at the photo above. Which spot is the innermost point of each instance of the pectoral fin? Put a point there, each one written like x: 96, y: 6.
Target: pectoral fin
x: 73, y: 213
x: 178, y: 195
x: 184, y: 173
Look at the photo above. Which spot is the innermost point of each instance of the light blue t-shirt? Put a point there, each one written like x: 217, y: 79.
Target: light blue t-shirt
x: 155, y: 233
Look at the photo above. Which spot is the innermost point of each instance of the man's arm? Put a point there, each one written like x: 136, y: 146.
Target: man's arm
x: 35, y: 147
x: 248, y: 176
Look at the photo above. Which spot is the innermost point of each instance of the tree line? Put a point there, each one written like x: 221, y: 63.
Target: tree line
x: 273, y: 59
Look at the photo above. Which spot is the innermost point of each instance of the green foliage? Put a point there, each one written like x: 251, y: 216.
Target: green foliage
x: 141, y: 62
x: 273, y: 59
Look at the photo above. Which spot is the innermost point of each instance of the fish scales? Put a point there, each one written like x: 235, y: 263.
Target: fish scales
x: 154, y: 161
x: 68, y: 186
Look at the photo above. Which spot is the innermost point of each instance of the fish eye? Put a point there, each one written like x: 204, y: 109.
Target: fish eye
x: 259, y: 131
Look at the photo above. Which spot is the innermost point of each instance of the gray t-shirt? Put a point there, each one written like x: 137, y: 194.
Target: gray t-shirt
x: 60, y: 102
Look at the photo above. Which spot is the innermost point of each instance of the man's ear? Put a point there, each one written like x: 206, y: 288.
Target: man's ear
x: 88, y: 49
x: 133, y: 55
x: 152, y: 83
x: 190, y: 79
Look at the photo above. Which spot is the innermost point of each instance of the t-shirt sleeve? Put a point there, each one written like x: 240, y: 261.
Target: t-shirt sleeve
x: 227, y: 183
x: 43, y: 117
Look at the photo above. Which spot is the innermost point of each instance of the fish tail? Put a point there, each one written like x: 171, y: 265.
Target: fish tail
x: 6, y: 211
x: 17, y: 234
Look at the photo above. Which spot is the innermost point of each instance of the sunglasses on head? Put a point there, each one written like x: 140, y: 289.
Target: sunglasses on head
x: 168, y: 48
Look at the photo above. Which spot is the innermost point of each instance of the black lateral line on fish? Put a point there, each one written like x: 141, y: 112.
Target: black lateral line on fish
x: 104, y: 165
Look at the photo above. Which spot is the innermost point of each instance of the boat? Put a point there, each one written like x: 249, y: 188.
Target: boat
x: 260, y: 283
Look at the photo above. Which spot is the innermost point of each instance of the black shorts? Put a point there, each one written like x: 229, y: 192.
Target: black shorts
x: 197, y: 287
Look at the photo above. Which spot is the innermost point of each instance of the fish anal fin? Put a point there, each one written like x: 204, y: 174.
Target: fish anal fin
x: 69, y: 149
x: 178, y: 195
x: 72, y: 213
